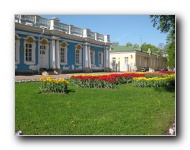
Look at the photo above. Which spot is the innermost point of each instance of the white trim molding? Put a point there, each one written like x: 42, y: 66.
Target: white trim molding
x: 17, y: 49
x: 30, y: 40
x: 92, y: 57
x: 100, y: 60
x: 64, y: 46
x: 78, y: 47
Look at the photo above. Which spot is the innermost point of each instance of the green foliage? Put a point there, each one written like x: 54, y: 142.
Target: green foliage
x: 129, y: 44
x: 166, y: 24
x: 153, y: 48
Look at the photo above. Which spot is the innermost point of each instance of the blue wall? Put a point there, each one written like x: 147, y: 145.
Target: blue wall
x: 70, y: 53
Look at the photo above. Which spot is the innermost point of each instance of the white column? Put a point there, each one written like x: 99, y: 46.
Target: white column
x: 106, y: 57
x: 85, y: 56
x: 52, y: 52
x: 89, y: 59
x: 57, y: 55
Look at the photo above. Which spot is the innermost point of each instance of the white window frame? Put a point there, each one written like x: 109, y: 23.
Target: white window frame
x: 17, y: 50
x: 126, y: 60
x: 33, y: 61
x: 64, y: 56
x: 65, y: 46
x: 80, y: 55
x: 100, y: 59
x: 92, y: 57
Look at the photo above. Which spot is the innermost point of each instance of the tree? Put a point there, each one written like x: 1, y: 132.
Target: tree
x: 129, y: 44
x: 166, y: 24
x: 162, y: 49
x: 115, y: 43
x: 135, y: 46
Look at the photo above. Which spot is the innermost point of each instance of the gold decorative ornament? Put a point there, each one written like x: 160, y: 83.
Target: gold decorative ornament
x: 63, y: 44
x: 79, y: 47
x: 30, y: 40
x: 44, y: 42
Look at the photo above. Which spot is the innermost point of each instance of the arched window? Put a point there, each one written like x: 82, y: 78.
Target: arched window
x: 63, y: 53
x: 78, y: 54
x: 29, y: 50
x: 100, y: 58
x: 92, y: 57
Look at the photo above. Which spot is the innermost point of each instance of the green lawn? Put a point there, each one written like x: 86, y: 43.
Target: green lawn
x: 127, y: 110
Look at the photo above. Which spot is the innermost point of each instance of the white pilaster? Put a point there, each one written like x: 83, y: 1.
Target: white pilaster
x: 52, y: 54
x: 57, y: 55
x: 108, y: 58
x: 85, y: 56
x: 89, y: 59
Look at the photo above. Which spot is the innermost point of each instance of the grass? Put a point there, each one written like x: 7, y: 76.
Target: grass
x: 127, y: 110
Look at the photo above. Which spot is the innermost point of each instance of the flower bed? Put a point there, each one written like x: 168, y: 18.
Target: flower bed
x: 167, y: 80
x: 49, y: 85
x: 103, y: 81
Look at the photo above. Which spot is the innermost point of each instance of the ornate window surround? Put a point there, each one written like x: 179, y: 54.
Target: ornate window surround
x: 78, y: 47
x: 92, y: 58
x: 30, y: 40
x: 65, y: 46
x: 100, y: 60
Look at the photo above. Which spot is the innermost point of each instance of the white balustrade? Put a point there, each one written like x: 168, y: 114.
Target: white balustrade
x: 54, y: 24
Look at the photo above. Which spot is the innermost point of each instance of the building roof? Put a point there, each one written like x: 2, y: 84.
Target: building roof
x: 123, y: 49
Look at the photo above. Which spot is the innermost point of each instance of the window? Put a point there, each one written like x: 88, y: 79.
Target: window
x: 126, y: 61
x: 151, y: 62
x: 100, y: 58
x: 92, y: 57
x: 78, y: 55
x: 29, y: 50
x: 63, y: 53
x: 42, y: 49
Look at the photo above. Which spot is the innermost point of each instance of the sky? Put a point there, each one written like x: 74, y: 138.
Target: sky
x: 136, y: 29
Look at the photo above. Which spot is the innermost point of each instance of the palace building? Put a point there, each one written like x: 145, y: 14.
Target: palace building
x: 48, y: 44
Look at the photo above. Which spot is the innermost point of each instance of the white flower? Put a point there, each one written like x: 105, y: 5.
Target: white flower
x: 171, y: 131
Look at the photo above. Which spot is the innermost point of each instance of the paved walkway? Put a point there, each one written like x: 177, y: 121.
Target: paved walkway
x: 22, y: 77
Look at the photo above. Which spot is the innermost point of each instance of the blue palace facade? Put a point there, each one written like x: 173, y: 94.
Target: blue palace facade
x: 48, y: 44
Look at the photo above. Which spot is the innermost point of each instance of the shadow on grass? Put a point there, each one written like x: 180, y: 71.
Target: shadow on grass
x: 168, y: 89
x: 70, y: 90
x: 66, y: 92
